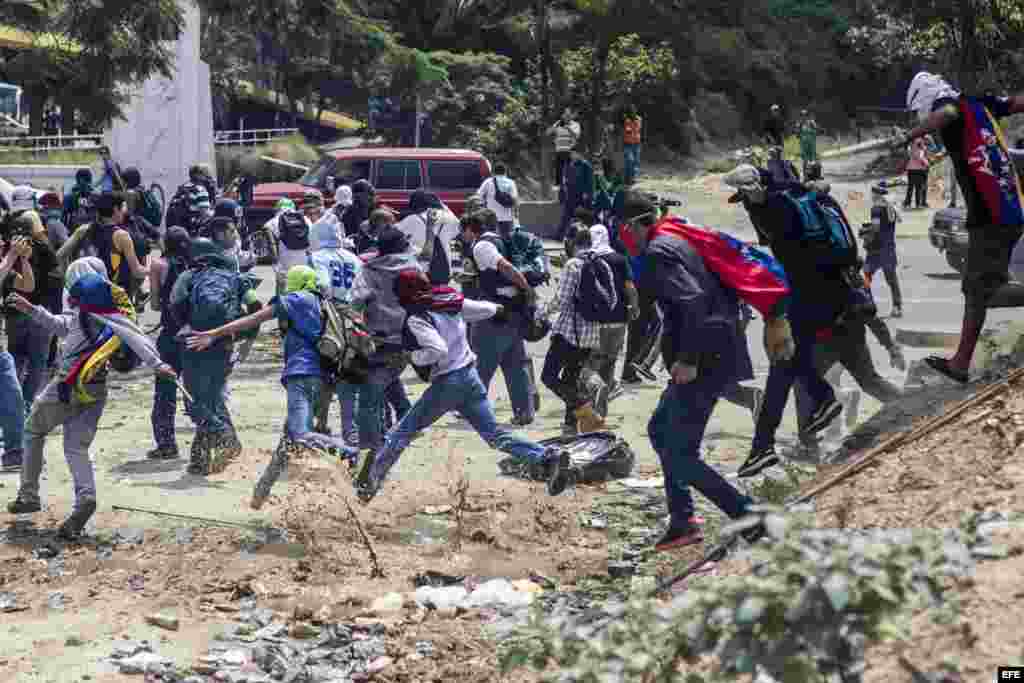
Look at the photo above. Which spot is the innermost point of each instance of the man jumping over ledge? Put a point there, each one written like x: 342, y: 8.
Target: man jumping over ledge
x: 970, y: 131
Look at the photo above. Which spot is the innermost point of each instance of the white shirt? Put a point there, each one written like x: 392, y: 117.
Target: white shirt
x: 414, y: 227
x: 486, y: 257
x: 288, y: 258
x: 336, y: 270
x: 488, y: 192
x: 443, y: 345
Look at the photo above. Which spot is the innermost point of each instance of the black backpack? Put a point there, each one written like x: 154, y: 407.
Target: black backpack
x: 502, y: 197
x: 293, y: 230
x: 179, y: 213
x: 597, y: 297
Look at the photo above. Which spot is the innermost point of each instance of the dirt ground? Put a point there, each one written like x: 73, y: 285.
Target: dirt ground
x: 446, y: 509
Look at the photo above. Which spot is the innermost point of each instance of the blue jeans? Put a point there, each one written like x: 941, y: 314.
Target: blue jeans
x: 370, y: 413
x: 631, y: 162
x: 206, y: 375
x: 165, y: 393
x: 460, y: 391
x: 501, y: 345
x: 676, y: 429
x: 303, y: 396
x: 30, y: 346
x: 12, y: 405
x: 805, y: 324
x: 348, y: 397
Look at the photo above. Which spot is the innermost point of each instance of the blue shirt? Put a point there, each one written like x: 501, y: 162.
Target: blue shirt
x: 301, y: 310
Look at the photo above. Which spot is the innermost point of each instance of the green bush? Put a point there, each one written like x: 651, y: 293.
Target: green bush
x: 811, y: 603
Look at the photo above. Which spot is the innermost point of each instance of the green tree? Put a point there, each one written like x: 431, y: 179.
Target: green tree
x: 86, y: 52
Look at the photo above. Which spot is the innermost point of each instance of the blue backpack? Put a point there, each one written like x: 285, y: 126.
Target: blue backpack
x: 821, y: 222
x: 215, y: 299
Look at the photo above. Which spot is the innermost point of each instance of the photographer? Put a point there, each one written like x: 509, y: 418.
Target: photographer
x: 12, y: 405
x: 28, y: 341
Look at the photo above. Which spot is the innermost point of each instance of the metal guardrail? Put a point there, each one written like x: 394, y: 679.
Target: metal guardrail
x: 254, y: 136
x: 51, y: 142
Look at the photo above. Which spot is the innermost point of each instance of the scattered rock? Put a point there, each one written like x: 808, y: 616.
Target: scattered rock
x: 620, y: 570
x: 323, y: 615
x: 379, y: 664
x: 55, y: 600
x: 73, y: 641
x: 437, y: 579
x: 136, y: 582
x: 130, y: 648
x: 165, y: 621
x: 143, y: 662
x: 129, y: 536
x: 304, y: 631
x: 437, y: 509
x: 498, y: 592
x: 387, y: 604
x: 46, y: 551
x: 9, y: 603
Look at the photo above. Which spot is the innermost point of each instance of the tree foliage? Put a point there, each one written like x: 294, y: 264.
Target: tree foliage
x: 85, y: 53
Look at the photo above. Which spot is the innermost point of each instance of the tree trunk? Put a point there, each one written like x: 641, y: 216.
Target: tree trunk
x: 968, y: 39
x: 544, y: 50
x: 598, y: 78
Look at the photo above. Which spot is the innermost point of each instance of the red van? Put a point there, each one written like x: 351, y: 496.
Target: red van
x: 396, y: 172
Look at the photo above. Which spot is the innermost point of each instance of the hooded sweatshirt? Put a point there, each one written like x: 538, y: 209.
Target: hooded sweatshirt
x: 375, y: 289
x: 336, y: 266
x: 300, y: 310
x: 79, y: 342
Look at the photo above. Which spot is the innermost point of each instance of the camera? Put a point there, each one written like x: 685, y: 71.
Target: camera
x: 662, y: 202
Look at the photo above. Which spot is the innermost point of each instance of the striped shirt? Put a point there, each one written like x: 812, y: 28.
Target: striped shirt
x: 578, y: 331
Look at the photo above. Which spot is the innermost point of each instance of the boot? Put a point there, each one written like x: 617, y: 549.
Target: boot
x: 199, y: 458
x: 73, y: 526
x: 588, y: 420
x: 224, y: 448
x: 275, y: 468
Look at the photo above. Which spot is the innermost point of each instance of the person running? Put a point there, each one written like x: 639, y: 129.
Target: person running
x: 705, y: 352
x: 76, y: 398
x: 881, y: 246
x: 299, y: 309
x: 970, y: 131
x: 337, y: 269
x: 164, y: 272
x: 434, y: 331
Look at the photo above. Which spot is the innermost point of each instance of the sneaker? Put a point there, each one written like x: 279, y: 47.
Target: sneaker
x: 599, y: 399
x: 561, y: 473
x: 630, y: 381
x: 759, y: 460
x: 823, y: 416
x: 536, y: 403
x: 163, y: 453
x: 679, y: 537
x: 644, y: 372
x: 24, y: 506
x: 71, y: 529
x: 522, y: 420
x: 365, y: 467
x: 11, y: 460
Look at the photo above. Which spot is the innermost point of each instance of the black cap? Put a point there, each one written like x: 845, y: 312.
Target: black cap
x: 108, y: 200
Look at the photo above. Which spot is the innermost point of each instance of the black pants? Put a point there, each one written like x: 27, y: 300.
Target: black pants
x: 917, y: 187
x: 561, y: 159
x: 892, y: 279
x: 644, y: 337
x: 562, y: 368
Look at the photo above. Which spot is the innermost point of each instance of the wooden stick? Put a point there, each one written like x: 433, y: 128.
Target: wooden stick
x: 376, y: 572
x: 907, y: 437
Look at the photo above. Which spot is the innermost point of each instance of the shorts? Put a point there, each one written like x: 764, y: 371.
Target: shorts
x: 988, y: 261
